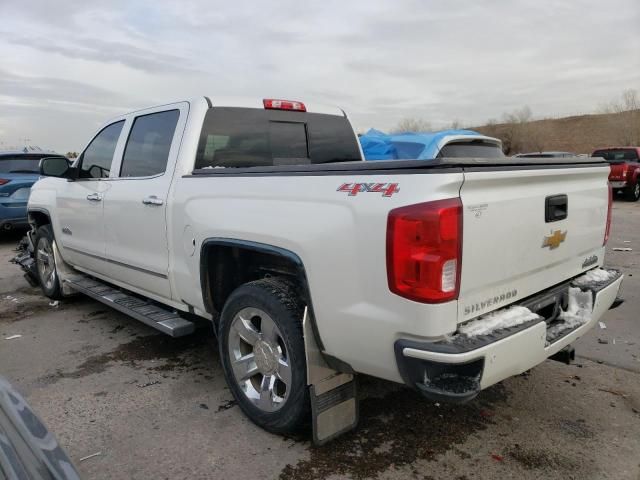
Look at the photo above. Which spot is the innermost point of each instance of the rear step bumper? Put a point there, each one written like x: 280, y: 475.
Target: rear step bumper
x: 456, y: 370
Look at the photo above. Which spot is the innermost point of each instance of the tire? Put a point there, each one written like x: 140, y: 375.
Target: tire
x: 262, y: 353
x: 632, y: 192
x: 46, y: 270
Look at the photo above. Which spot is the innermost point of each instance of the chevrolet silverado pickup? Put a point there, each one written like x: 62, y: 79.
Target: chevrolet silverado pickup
x: 313, y: 265
x: 625, y: 170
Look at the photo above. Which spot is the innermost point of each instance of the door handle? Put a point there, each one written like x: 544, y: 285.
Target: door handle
x: 94, y: 197
x: 152, y: 200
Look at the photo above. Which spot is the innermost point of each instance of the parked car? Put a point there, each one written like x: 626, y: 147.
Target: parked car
x: 28, y: 450
x: 313, y: 265
x: 377, y: 145
x: 18, y: 172
x: 625, y: 169
x: 545, y: 155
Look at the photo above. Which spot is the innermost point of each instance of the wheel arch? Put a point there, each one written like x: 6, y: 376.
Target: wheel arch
x: 39, y: 216
x: 227, y: 263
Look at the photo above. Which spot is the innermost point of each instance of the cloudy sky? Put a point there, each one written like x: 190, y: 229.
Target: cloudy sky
x: 66, y: 66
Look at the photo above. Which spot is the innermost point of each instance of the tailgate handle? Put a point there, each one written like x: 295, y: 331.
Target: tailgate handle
x: 556, y: 208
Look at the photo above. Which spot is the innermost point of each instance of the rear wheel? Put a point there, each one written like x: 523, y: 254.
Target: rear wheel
x: 262, y: 353
x: 632, y: 192
x: 46, y: 263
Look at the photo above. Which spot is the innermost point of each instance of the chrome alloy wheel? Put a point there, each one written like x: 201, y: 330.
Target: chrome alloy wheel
x: 46, y: 263
x: 636, y: 191
x: 259, y: 359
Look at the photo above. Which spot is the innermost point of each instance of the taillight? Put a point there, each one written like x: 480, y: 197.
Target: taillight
x: 607, y: 229
x: 424, y: 250
x: 273, y: 104
x: 3, y: 181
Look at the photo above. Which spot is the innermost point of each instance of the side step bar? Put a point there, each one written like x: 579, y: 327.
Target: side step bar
x: 156, y: 316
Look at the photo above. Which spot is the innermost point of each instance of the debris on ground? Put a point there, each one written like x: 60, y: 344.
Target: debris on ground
x: 90, y: 456
x: 497, y: 458
x: 614, y: 392
x: 11, y: 337
x: 226, y: 406
x: 148, y: 384
x: 602, y: 325
x: 54, y: 304
x: 622, y: 249
x: 603, y: 341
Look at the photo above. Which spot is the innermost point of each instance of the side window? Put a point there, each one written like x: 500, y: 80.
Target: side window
x: 95, y: 161
x: 147, y: 149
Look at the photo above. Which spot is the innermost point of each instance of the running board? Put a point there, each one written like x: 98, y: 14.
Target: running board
x: 152, y: 314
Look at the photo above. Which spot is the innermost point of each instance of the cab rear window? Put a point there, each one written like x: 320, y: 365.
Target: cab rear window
x: 618, y: 155
x: 475, y: 149
x: 250, y: 137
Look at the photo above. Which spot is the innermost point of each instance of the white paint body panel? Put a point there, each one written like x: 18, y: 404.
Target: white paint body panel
x: 340, y: 239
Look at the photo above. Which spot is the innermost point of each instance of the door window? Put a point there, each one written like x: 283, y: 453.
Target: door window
x: 95, y: 162
x: 147, y: 150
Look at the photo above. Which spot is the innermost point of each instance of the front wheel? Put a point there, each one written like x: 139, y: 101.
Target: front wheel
x: 46, y: 263
x: 262, y: 353
x: 632, y: 192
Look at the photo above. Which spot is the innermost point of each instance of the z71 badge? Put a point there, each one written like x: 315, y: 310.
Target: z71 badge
x: 387, y: 189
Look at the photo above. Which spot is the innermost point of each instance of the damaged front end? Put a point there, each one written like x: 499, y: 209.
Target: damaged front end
x: 509, y: 341
x: 25, y: 258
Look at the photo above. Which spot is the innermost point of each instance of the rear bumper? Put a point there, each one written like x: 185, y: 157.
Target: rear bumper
x: 457, y: 370
x: 616, y: 185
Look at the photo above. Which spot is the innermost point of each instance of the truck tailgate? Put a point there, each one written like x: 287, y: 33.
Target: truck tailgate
x: 515, y: 244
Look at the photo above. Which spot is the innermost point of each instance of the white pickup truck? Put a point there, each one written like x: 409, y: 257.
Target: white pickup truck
x: 261, y: 217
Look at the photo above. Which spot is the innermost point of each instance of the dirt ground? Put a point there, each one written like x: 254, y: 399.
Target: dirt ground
x: 157, y: 407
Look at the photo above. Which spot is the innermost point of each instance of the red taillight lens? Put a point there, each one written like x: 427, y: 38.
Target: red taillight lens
x: 3, y: 181
x: 273, y: 104
x: 607, y: 229
x: 424, y: 250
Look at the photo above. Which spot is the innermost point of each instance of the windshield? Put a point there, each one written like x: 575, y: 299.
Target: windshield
x: 19, y: 164
x: 618, y: 155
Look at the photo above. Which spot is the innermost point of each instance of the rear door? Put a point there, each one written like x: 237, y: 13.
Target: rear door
x: 136, y: 205
x: 78, y: 218
x: 525, y: 230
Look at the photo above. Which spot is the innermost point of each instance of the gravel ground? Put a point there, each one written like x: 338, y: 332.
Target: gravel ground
x: 156, y: 407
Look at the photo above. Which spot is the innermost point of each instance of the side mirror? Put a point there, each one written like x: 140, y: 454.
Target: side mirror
x: 56, y: 167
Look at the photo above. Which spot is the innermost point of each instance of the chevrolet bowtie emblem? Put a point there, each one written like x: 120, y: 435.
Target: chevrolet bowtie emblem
x: 554, y: 240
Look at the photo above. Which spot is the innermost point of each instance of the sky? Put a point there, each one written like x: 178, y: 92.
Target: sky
x: 67, y: 66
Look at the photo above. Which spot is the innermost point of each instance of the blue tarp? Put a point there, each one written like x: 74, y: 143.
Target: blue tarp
x: 377, y: 145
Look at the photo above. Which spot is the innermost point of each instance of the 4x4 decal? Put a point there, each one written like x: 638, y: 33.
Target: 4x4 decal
x: 387, y: 189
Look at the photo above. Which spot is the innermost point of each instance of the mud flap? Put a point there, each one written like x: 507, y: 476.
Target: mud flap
x: 334, y: 400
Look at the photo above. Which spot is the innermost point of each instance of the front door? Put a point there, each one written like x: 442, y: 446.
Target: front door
x: 78, y: 221
x: 135, y: 209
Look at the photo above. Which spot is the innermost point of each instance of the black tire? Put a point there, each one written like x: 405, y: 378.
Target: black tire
x: 43, y: 254
x: 632, y: 192
x: 280, y: 301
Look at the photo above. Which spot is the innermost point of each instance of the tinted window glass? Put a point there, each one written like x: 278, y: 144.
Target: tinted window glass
x: 288, y: 140
x: 620, y: 155
x: 19, y: 164
x: 147, y: 149
x: 246, y: 137
x: 95, y: 162
x: 471, y: 150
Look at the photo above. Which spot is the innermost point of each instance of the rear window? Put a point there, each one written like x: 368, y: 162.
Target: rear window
x: 19, y: 164
x: 620, y: 155
x: 249, y: 137
x: 471, y: 150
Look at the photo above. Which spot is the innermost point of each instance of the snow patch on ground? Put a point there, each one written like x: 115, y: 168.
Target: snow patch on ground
x: 578, y: 312
x: 509, y: 317
x: 596, y: 275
